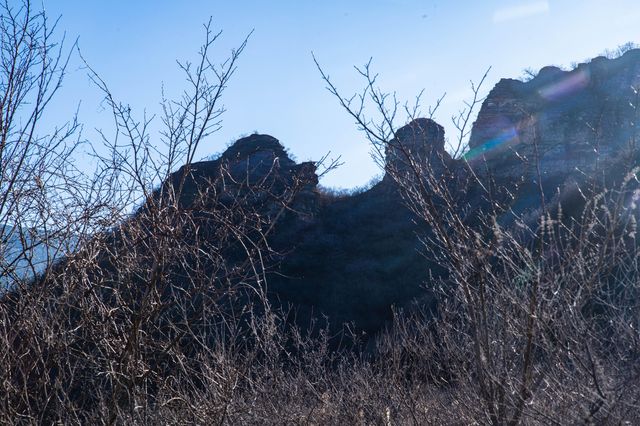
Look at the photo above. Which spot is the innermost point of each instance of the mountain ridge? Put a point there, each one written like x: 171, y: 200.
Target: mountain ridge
x: 556, y: 128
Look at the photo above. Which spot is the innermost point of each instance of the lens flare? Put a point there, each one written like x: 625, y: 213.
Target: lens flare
x: 505, y: 134
x: 506, y: 137
x: 566, y: 86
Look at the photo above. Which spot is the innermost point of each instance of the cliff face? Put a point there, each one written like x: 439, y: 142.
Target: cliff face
x: 573, y: 118
x: 561, y: 128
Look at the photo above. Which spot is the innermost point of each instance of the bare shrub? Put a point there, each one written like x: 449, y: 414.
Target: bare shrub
x: 97, y: 336
x: 536, y: 322
x: 163, y: 316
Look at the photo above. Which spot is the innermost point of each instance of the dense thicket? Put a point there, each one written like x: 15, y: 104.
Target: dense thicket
x: 168, y: 315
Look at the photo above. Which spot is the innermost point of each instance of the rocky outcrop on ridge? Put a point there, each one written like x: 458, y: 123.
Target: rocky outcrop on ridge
x: 560, y: 128
x: 352, y: 258
x: 420, y: 142
x: 559, y: 132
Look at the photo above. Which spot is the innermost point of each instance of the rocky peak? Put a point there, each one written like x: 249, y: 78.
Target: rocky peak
x: 255, y: 142
x: 256, y: 160
x: 257, y: 155
x: 569, y: 120
x: 422, y: 140
x: 550, y: 71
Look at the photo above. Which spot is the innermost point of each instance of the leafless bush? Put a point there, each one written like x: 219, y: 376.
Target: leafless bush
x: 136, y: 301
x: 536, y: 322
x: 41, y: 190
x: 162, y: 316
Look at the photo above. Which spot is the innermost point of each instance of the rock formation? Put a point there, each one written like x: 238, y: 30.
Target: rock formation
x: 420, y: 142
x: 352, y: 258
x: 561, y: 125
x: 556, y: 133
x: 559, y: 131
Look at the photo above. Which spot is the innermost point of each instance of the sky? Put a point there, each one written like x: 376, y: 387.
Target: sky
x: 438, y: 46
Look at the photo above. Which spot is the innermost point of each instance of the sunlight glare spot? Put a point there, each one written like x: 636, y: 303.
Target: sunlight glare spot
x: 506, y: 137
x: 568, y: 85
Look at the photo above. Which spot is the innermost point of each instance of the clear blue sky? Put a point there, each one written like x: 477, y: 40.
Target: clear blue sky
x: 435, y: 45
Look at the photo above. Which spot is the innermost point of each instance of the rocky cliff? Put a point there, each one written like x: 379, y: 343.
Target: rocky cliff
x: 543, y: 140
x: 559, y: 129
x: 352, y: 258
